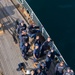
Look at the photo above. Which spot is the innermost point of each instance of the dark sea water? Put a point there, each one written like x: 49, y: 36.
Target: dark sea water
x: 58, y: 18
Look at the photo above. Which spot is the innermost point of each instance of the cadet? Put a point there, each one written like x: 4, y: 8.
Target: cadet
x: 25, y: 49
x: 44, y: 46
x: 39, y: 72
x: 20, y: 38
x: 36, y: 53
x: 59, y: 68
x: 42, y: 66
x: 37, y: 41
x: 23, y: 38
x: 33, y: 30
x: 21, y: 66
x: 48, y: 61
x: 33, y: 72
x: 68, y: 71
x: 21, y: 27
x: 53, y: 53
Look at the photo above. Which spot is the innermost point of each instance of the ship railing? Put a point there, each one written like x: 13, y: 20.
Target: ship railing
x: 37, y: 22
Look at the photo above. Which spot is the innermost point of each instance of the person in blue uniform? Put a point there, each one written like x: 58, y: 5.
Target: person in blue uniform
x: 23, y: 38
x: 44, y: 46
x: 20, y: 39
x: 39, y: 72
x: 37, y: 41
x: 42, y: 67
x: 33, y: 30
x: 53, y: 54
x: 68, y: 71
x: 33, y: 72
x: 36, y: 53
x: 21, y: 26
x: 48, y: 61
x: 21, y: 66
x: 25, y: 49
x: 59, y: 68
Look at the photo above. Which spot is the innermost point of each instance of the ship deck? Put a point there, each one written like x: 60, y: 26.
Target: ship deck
x: 10, y: 54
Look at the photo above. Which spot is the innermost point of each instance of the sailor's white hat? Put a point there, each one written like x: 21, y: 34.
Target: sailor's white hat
x: 27, y: 72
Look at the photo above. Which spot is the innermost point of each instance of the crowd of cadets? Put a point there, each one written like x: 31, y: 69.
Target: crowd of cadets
x: 24, y: 33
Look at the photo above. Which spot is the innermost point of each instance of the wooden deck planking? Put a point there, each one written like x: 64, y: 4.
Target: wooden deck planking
x: 10, y: 53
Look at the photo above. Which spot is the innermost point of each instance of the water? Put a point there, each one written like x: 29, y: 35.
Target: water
x: 58, y: 18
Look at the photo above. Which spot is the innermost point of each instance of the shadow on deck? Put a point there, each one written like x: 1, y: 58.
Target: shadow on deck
x: 6, y: 17
x: 2, y: 9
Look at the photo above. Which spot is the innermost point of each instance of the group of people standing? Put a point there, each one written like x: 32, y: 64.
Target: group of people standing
x: 32, y: 31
